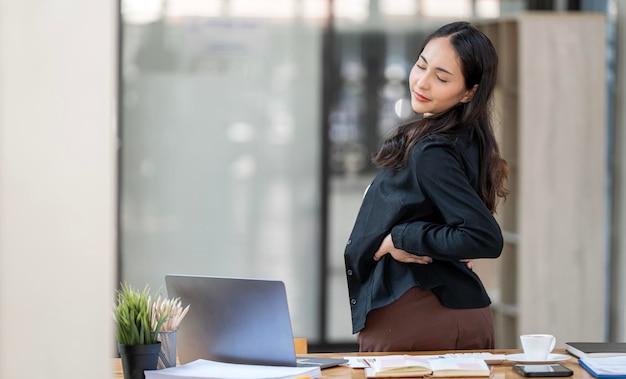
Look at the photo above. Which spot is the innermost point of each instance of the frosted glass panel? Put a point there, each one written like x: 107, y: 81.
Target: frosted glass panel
x: 220, y: 154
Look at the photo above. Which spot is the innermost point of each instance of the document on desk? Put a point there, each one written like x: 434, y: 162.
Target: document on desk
x: 414, y: 366
x: 205, y: 369
x: 605, y: 367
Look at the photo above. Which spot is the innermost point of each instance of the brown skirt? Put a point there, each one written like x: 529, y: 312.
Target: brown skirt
x: 418, y: 322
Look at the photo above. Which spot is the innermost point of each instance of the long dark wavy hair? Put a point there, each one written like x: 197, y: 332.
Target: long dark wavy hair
x: 479, y: 64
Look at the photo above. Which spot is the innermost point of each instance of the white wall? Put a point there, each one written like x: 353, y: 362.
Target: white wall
x: 57, y: 187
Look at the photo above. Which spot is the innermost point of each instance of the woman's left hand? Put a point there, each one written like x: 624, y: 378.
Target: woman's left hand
x: 387, y: 247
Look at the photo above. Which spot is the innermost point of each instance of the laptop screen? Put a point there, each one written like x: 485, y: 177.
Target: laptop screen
x: 233, y: 320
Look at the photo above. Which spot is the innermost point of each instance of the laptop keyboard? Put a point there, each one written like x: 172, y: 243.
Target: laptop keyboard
x: 303, y: 362
x: 319, y: 361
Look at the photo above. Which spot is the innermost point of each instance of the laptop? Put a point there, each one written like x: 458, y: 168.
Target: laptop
x: 237, y: 320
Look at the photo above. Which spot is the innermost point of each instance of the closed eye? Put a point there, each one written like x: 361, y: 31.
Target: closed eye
x: 437, y: 76
x: 439, y: 69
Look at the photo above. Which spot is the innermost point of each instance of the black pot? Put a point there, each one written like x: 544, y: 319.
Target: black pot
x: 137, y: 358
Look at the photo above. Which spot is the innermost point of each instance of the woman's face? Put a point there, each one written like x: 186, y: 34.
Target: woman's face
x: 436, y: 81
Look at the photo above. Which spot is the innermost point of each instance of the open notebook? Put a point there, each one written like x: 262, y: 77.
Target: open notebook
x: 236, y: 320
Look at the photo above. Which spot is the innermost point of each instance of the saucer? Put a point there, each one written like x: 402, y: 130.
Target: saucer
x: 521, y: 358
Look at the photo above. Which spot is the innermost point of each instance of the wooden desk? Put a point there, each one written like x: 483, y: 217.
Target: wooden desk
x: 503, y: 371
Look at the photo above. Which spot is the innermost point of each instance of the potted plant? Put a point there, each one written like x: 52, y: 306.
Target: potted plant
x: 137, y: 336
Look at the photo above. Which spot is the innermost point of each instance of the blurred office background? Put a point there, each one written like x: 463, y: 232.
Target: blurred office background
x: 232, y: 138
x: 247, y: 128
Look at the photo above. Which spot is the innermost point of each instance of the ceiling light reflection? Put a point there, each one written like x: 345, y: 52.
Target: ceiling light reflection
x: 194, y: 8
x: 398, y: 7
x: 357, y: 10
x: 244, y: 167
x: 488, y: 8
x: 141, y: 11
x: 262, y: 8
x: 146, y: 11
x: 241, y: 132
x: 448, y: 8
x: 314, y: 8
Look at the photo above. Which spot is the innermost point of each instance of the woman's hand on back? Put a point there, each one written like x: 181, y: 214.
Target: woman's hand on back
x: 387, y: 247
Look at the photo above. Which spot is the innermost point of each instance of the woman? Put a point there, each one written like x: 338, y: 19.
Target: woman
x: 430, y: 209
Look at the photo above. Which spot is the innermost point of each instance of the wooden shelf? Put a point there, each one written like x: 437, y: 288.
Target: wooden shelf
x: 550, y: 123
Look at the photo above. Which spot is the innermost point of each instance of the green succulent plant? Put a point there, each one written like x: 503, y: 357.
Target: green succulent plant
x: 134, y: 316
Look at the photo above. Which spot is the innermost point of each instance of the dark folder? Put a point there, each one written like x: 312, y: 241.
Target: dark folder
x: 596, y: 349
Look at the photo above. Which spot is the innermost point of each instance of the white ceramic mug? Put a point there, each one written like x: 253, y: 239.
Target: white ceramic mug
x: 537, y: 347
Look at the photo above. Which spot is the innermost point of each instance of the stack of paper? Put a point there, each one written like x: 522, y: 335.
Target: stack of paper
x: 204, y: 369
x: 605, y: 367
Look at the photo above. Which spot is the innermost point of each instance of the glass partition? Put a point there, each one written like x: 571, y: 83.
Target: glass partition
x: 221, y: 146
x: 247, y: 130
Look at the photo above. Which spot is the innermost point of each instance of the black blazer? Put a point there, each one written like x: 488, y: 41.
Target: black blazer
x: 431, y: 207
